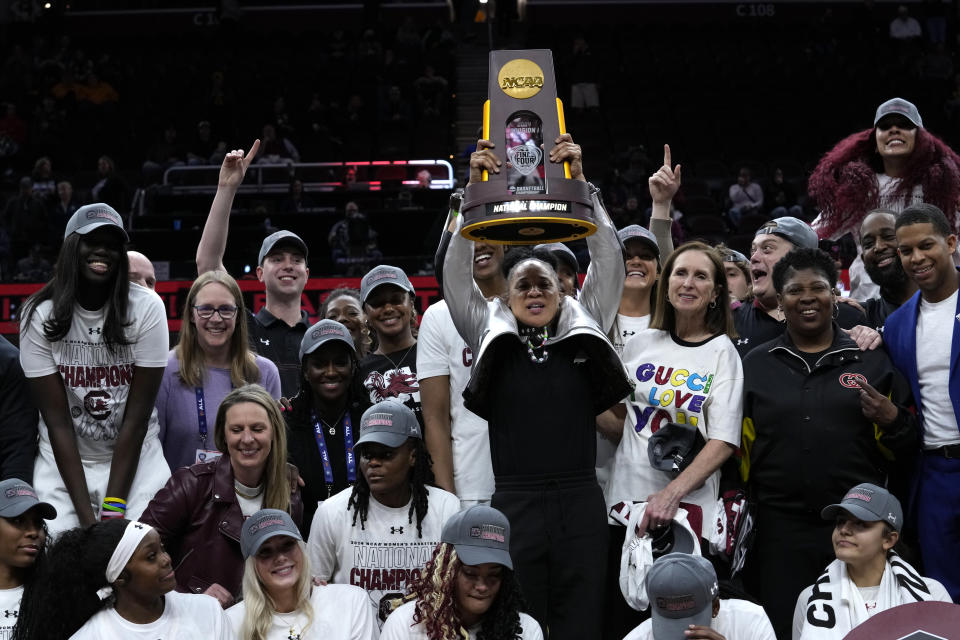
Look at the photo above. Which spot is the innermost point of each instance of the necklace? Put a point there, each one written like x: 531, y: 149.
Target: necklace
x: 532, y: 349
x: 396, y: 365
x: 331, y: 428
x: 293, y: 634
x: 244, y: 491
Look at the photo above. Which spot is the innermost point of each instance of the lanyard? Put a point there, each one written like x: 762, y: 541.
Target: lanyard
x: 201, y: 416
x: 347, y: 445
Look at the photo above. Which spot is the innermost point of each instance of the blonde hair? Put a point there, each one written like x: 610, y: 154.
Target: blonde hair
x: 243, y: 364
x: 259, y: 605
x: 276, y: 490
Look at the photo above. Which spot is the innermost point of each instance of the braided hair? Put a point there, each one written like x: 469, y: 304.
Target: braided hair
x: 436, y: 601
x: 75, y: 568
x: 420, y: 476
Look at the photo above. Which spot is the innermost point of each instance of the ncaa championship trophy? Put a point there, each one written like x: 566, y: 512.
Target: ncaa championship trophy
x: 533, y: 200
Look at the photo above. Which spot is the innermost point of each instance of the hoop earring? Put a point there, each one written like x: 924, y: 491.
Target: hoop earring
x: 713, y: 304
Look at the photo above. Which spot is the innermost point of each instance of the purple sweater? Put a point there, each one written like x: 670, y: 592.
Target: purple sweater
x: 177, y: 408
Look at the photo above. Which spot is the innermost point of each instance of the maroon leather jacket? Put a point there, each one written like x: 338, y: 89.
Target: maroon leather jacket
x: 199, y: 520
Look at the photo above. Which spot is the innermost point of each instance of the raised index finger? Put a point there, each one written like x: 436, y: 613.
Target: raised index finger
x: 666, y: 155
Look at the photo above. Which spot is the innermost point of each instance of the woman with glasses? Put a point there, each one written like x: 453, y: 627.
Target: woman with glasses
x: 211, y: 358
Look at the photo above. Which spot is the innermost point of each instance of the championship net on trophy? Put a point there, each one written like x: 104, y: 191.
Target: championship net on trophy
x: 532, y: 200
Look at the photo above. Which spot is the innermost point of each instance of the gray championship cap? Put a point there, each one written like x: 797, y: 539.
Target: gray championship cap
x: 17, y: 497
x: 93, y: 216
x: 281, y: 237
x: 734, y: 256
x: 869, y: 503
x: 900, y: 107
x: 381, y: 275
x: 673, y: 447
x: 480, y: 534
x: 561, y: 252
x: 636, y: 232
x: 681, y: 588
x: 323, y: 332
x: 263, y: 525
x: 389, y: 423
x: 796, y: 231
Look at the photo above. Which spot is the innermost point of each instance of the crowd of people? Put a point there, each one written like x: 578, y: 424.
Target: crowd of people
x: 539, y: 456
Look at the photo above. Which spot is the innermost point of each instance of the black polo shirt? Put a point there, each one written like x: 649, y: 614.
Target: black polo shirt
x: 877, y: 311
x: 277, y: 341
x: 755, y: 326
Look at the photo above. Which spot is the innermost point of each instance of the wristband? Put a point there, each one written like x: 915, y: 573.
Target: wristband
x: 113, y: 508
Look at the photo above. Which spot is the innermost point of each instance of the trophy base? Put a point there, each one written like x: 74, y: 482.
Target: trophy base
x: 566, y: 215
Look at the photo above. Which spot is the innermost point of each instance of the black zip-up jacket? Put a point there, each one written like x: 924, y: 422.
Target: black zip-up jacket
x: 805, y: 439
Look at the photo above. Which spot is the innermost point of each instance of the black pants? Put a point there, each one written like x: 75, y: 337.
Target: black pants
x: 558, y: 543
x: 788, y: 555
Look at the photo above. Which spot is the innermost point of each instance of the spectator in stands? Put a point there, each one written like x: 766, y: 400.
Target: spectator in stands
x: 114, y: 579
x: 23, y: 536
x: 297, y: 201
x: 200, y: 512
x: 97, y: 96
x: 282, y: 121
x: 868, y: 576
x: 276, y: 330
x: 34, y: 267
x: 25, y: 220
x: 18, y: 438
x: 99, y: 456
x: 685, y: 603
x: 204, y: 149
x: 279, y: 597
x: 324, y: 416
x: 762, y: 320
x: 431, y: 92
x: 736, y: 266
x: 543, y: 370
x: 392, y: 504
x: 66, y: 89
x: 276, y: 147
x: 62, y: 206
x: 863, y: 417
x: 905, y: 27
x: 583, y: 79
x: 344, y: 306
x: 917, y: 335
x: 165, y: 153
x: 353, y: 242
x: 141, y: 270
x: 468, y: 587
x: 110, y: 188
x: 212, y: 357
x: 44, y: 185
x: 13, y: 131
x: 878, y: 237
x: 894, y: 165
x: 746, y: 196
x: 457, y: 438
x: 781, y: 197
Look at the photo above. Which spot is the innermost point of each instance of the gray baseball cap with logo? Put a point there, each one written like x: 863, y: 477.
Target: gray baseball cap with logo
x: 869, y: 503
x: 480, y: 534
x: 899, y: 106
x: 323, y: 332
x: 93, y: 216
x: 389, y: 423
x: 793, y: 229
x: 636, y: 232
x: 263, y: 525
x: 381, y: 275
x: 17, y: 497
x: 681, y: 588
x: 281, y: 237
x: 562, y: 252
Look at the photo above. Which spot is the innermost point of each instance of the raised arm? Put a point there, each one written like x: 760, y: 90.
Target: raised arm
x: 213, y: 242
x: 663, y: 186
x: 468, y: 307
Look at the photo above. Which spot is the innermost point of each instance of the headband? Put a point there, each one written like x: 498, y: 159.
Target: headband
x: 132, y: 536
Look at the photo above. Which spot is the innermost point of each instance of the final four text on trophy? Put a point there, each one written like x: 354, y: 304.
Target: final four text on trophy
x: 532, y: 200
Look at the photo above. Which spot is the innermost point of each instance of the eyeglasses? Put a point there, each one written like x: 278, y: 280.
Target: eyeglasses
x: 206, y: 311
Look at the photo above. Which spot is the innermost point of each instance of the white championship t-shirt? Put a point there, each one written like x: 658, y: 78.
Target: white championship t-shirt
x: 9, y: 610
x: 442, y: 352
x: 186, y: 616
x: 340, y: 612
x: 699, y: 384
x: 736, y: 620
x: 97, y: 381
x: 399, y: 626
x: 934, y: 335
x: 386, y: 554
